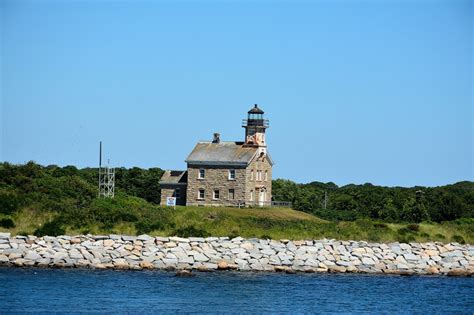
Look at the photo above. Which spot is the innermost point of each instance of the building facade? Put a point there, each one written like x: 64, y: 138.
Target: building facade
x: 225, y: 173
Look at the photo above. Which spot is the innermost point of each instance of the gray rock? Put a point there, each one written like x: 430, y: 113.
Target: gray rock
x: 411, y: 257
x: 145, y: 238
x: 4, y: 235
x: 5, y: 246
x: 100, y: 237
x: 3, y: 259
x: 200, y: 257
x: 75, y: 254
x: 128, y: 238
x: 197, y: 239
x: 32, y: 255
x: 343, y: 263
x: 367, y: 261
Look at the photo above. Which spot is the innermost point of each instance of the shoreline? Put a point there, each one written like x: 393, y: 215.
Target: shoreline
x: 122, y: 252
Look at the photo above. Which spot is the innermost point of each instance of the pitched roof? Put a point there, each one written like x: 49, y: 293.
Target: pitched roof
x: 256, y: 110
x: 223, y: 153
x: 174, y: 177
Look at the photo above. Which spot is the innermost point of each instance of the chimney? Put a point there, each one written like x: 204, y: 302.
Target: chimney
x: 217, y: 138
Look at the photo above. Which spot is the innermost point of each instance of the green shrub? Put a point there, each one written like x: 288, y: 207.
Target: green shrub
x: 380, y: 225
x: 403, y: 231
x: 373, y: 236
x: 413, y: 227
x: 53, y: 228
x: 146, y: 225
x: 440, y: 236
x: 424, y: 235
x: 406, y: 238
x: 458, y: 239
x: 7, y: 223
x: 9, y: 202
x: 265, y: 237
x: 191, y: 231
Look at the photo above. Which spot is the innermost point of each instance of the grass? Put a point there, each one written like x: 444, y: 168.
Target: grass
x: 275, y: 223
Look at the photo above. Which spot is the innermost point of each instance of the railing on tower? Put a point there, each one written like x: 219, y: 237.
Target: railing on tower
x: 256, y: 122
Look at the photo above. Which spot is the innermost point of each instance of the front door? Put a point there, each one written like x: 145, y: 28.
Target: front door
x: 262, y: 197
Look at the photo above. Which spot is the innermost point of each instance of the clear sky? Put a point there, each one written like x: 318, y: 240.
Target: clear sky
x: 356, y: 92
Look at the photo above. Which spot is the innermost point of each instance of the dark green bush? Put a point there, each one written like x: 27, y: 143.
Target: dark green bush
x: 440, y: 236
x: 458, y: 239
x: 53, y: 228
x: 406, y: 238
x: 404, y: 231
x: 413, y: 227
x: 146, y: 225
x: 7, y: 223
x: 191, y: 231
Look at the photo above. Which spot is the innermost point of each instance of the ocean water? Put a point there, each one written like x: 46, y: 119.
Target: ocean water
x: 108, y: 291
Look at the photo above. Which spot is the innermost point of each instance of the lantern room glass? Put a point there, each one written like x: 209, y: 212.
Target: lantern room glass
x: 255, y: 116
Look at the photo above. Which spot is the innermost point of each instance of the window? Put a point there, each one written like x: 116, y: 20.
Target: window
x: 201, y: 194
x: 232, y: 174
x: 266, y: 175
x: 216, y: 194
x: 259, y: 175
x: 251, y: 195
x: 202, y: 173
x: 231, y: 194
x: 177, y: 193
x: 251, y: 175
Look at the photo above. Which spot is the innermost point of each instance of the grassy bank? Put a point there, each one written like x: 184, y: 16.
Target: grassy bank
x: 54, y: 200
x: 117, y: 216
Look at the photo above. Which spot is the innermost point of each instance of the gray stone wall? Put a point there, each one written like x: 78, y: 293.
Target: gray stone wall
x: 216, y: 178
x: 212, y: 253
x: 255, y: 184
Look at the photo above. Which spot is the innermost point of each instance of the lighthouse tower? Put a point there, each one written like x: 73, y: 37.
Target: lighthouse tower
x: 255, y: 126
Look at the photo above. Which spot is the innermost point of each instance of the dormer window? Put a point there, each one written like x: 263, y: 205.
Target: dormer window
x: 231, y: 174
x: 202, y: 173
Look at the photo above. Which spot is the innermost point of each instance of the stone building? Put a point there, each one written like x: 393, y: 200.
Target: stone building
x: 225, y: 173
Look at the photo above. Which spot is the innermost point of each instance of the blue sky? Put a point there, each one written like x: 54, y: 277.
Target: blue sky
x: 356, y: 91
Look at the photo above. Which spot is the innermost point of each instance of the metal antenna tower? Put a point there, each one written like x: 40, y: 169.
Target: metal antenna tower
x: 106, y: 178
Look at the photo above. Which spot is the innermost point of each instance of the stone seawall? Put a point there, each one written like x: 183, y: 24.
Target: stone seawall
x: 222, y: 253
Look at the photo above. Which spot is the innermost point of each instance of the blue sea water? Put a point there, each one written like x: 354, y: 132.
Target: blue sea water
x: 108, y: 291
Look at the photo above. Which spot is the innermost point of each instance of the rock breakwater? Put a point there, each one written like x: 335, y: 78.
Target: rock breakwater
x: 222, y: 253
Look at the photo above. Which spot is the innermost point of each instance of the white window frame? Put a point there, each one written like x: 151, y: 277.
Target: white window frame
x: 203, y: 194
x: 266, y: 176
x: 203, y: 173
x: 251, y: 195
x: 251, y: 174
x: 232, y: 171
x: 214, y: 194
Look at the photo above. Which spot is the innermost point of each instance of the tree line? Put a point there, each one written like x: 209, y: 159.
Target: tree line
x: 391, y: 204
x: 71, y: 190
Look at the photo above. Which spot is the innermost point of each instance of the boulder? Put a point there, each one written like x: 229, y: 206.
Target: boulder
x: 459, y: 273
x: 336, y: 269
x: 32, y: 255
x: 144, y: 238
x: 4, y: 235
x: 146, y: 265
x: 222, y: 265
